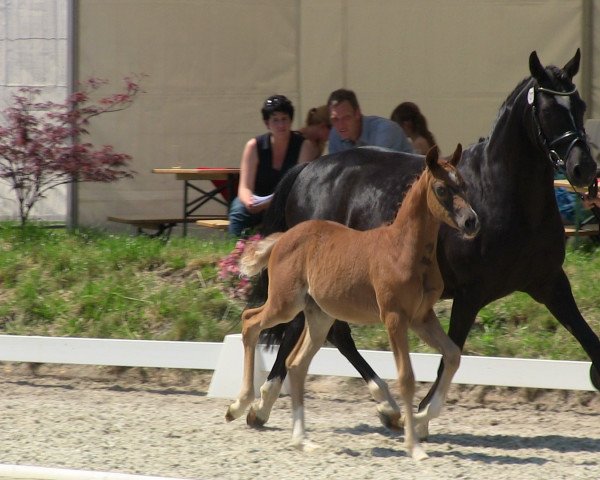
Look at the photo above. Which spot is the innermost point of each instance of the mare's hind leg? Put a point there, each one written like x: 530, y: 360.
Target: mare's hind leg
x: 273, y: 312
x: 260, y: 411
x: 387, y: 408
x: 313, y: 338
x: 433, y: 334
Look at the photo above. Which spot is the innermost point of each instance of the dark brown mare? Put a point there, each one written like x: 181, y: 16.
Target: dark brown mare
x: 388, y: 274
x: 509, y: 177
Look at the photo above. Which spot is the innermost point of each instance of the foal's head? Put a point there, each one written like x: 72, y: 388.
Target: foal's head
x: 446, y: 195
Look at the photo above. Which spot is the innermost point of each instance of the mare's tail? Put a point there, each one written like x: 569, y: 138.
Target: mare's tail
x: 274, y: 218
x: 256, y: 255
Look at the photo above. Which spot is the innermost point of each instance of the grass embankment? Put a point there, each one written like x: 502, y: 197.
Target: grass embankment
x: 92, y: 284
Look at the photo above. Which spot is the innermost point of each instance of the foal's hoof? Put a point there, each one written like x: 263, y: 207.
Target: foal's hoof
x: 229, y: 416
x: 418, y: 453
x: 422, y: 430
x: 253, y: 420
x: 306, y: 446
x: 393, y: 421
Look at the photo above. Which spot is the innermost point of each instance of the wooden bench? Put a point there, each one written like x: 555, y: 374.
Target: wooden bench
x: 216, y: 223
x: 590, y: 230
x: 161, y: 227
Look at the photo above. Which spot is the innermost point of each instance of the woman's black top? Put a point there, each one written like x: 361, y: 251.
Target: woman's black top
x: 267, y: 177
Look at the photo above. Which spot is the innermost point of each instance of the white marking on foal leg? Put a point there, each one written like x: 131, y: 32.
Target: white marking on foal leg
x: 387, y: 408
x: 299, y: 440
x: 261, y: 410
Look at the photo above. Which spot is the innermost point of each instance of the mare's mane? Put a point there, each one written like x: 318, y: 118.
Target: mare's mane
x: 559, y: 80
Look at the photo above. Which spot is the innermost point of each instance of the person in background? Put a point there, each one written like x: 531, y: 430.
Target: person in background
x: 353, y: 129
x: 317, y: 127
x: 413, y: 122
x: 265, y: 160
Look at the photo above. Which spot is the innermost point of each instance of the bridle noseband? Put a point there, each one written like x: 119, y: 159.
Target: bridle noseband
x: 572, y: 136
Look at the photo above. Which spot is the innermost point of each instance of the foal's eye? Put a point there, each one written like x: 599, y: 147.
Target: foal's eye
x: 441, y: 191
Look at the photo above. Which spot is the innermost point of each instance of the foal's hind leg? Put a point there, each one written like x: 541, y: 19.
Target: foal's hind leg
x: 387, y: 408
x: 251, y: 321
x: 314, y: 335
x: 254, y: 320
x: 433, y: 334
x: 260, y: 410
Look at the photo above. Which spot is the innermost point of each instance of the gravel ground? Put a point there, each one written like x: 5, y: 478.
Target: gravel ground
x: 160, y: 422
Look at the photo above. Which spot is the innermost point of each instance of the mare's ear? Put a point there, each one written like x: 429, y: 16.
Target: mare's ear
x: 536, y: 68
x: 431, y: 159
x: 572, y: 66
x: 456, y: 155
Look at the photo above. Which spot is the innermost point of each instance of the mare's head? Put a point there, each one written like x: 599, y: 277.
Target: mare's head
x: 446, y: 193
x: 557, y: 112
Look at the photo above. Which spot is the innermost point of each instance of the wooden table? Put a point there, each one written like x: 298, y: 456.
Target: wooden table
x: 224, y: 181
x: 565, y: 184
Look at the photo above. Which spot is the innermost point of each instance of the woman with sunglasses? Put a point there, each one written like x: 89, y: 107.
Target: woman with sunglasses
x: 265, y: 160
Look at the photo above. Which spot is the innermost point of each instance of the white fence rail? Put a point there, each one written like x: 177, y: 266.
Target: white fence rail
x: 226, y: 360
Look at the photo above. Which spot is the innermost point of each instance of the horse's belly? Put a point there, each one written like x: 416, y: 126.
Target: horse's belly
x: 353, y: 307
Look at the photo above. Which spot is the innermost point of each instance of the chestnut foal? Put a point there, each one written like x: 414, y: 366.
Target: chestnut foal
x: 387, y: 274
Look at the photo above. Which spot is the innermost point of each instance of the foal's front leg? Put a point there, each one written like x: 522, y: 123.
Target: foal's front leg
x: 397, y: 328
x: 433, y: 334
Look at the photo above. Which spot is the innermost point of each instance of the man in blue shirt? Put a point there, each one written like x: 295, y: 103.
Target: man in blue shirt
x: 353, y: 129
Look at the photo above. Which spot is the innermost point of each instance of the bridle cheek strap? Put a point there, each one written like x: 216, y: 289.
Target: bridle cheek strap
x: 572, y: 136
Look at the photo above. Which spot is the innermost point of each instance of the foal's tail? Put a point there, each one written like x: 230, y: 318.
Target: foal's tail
x: 256, y: 255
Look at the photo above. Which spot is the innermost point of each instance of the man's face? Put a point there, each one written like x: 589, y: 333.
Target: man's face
x: 346, y: 120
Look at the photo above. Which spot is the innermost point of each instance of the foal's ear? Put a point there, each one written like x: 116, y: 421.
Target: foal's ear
x: 536, y: 68
x: 456, y: 156
x: 431, y: 159
x: 572, y: 66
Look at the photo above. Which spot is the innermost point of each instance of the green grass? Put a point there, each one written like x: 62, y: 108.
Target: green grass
x: 88, y: 283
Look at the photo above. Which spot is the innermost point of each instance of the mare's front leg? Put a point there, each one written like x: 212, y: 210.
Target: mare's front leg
x: 251, y: 327
x: 562, y: 305
x: 260, y: 411
x: 431, y: 332
x: 387, y: 408
x: 313, y: 338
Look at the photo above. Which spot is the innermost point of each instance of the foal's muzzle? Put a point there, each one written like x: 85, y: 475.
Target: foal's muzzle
x: 468, y: 223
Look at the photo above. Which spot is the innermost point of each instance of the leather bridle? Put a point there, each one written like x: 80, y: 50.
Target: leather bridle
x: 570, y: 137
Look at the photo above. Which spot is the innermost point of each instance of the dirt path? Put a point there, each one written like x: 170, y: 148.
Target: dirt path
x: 160, y: 422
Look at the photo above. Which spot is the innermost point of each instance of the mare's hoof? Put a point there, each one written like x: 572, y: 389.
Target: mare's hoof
x: 595, y: 377
x: 392, y: 421
x: 254, y: 420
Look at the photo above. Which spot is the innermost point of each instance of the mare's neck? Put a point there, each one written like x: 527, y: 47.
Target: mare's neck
x: 512, y: 168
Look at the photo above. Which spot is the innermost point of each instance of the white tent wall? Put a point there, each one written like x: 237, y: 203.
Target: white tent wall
x: 33, y: 52
x: 211, y: 63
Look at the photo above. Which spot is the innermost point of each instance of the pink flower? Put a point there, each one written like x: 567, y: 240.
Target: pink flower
x: 234, y: 284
